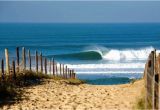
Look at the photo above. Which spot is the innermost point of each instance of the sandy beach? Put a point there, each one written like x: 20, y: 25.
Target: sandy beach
x: 59, y: 95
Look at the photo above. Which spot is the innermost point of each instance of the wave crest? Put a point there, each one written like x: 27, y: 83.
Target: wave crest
x: 86, y: 55
x: 99, y: 53
x: 128, y: 54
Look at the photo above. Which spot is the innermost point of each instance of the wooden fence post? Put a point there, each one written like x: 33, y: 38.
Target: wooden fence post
x: 17, y: 54
x: 156, y: 92
x: 63, y: 72
x: 150, y: 81
x: 66, y: 72
x: 156, y: 82
x: 7, y: 61
x: 45, y: 66
x: 50, y: 66
x: 56, y: 69
x: 36, y: 59
x: 60, y: 70
x: 14, y: 71
x: 70, y: 73
x: 53, y: 67
x: 154, y: 73
x: 152, y: 76
x: 2, y: 70
x: 24, y: 58
x: 29, y: 60
x: 73, y: 74
x: 41, y: 62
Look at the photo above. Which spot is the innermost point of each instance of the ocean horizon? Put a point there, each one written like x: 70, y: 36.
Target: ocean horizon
x: 94, y: 50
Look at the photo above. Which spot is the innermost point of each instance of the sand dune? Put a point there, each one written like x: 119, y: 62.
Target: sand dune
x: 60, y: 95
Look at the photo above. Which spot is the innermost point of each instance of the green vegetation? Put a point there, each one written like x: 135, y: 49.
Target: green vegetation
x: 140, y: 103
x: 134, y: 80
x: 8, y: 91
x: 11, y: 90
x: 75, y: 81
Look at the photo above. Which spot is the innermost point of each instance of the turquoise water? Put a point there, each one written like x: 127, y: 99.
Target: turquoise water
x: 105, y: 50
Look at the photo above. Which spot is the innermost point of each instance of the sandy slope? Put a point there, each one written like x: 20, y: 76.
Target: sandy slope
x: 59, y: 95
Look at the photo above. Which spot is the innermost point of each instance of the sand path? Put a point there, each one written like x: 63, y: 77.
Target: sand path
x: 59, y: 95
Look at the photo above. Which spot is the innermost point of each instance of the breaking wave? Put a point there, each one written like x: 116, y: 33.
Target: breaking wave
x: 110, y: 60
x: 110, y: 54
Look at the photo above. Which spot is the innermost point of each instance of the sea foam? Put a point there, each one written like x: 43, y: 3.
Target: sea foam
x: 115, y: 61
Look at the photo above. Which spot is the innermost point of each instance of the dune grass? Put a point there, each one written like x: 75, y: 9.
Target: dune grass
x: 140, y: 103
x: 12, y: 90
x: 9, y: 92
x: 75, y: 81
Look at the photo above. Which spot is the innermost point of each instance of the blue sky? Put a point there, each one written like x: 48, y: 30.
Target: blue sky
x: 80, y: 11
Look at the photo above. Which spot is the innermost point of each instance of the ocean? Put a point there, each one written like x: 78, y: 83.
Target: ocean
x: 100, y: 53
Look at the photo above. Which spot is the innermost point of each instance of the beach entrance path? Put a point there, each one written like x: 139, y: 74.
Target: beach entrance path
x: 60, y: 95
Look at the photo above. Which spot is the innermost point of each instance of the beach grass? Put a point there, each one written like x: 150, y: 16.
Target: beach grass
x: 140, y: 103
x: 75, y: 81
x: 9, y: 91
x: 134, y: 80
x: 12, y: 90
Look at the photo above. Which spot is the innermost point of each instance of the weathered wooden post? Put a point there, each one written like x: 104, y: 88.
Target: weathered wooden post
x: 41, y: 62
x: 17, y: 54
x: 53, y: 67
x: 29, y: 60
x: 50, y: 66
x: 158, y: 80
x: 2, y: 70
x: 66, y: 72
x: 70, y: 73
x: 7, y: 61
x: 153, y: 80
x: 36, y: 59
x: 63, y: 72
x: 45, y: 66
x: 14, y: 70
x: 56, y: 69
x: 150, y: 78
x: 24, y: 58
x: 156, y: 92
x: 156, y: 83
x: 73, y: 74
x: 60, y: 70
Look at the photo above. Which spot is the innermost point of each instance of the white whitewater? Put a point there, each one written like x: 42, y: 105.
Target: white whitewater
x: 116, y: 61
